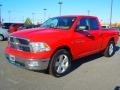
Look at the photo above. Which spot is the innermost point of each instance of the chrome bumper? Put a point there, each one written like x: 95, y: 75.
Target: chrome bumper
x: 31, y: 64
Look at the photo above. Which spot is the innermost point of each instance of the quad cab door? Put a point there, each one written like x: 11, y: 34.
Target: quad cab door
x: 88, y: 37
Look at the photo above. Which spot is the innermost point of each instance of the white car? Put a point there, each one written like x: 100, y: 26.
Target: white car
x: 3, y: 34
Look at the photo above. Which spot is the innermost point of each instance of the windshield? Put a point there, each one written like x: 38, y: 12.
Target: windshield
x: 59, y: 22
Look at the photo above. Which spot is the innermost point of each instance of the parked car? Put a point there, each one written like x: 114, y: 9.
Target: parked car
x: 3, y: 34
x: 105, y: 27
x: 118, y: 29
x: 28, y: 27
x: 6, y: 25
x: 59, y: 41
x: 14, y: 27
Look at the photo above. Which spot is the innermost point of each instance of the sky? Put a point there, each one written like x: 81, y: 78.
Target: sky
x: 19, y: 10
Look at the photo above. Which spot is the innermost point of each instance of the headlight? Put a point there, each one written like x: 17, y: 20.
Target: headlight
x: 39, y: 47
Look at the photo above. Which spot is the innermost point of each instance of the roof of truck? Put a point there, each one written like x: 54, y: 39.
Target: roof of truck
x: 76, y: 16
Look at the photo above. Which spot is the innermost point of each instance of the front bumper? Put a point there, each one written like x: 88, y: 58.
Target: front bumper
x: 31, y: 64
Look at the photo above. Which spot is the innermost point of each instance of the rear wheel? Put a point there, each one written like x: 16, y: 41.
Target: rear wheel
x: 60, y: 63
x: 110, y: 50
x: 1, y: 37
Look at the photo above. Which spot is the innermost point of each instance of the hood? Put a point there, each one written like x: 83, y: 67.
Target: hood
x: 40, y: 34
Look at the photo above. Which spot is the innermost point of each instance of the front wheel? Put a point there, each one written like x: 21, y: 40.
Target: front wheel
x: 110, y: 50
x: 60, y: 63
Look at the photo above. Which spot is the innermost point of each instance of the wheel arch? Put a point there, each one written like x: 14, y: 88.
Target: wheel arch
x: 63, y: 47
x: 112, y: 39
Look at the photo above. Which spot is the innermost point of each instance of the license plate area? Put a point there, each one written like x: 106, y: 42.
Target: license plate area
x: 12, y: 58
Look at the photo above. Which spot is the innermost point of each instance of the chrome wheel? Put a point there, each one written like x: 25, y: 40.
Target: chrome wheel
x: 111, y: 49
x: 62, y: 64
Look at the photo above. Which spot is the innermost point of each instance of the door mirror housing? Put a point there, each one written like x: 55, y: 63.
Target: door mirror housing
x: 82, y: 28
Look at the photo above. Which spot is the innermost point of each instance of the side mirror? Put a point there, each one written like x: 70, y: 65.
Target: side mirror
x: 82, y: 28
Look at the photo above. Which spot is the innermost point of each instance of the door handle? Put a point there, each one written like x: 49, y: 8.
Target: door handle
x: 89, y: 35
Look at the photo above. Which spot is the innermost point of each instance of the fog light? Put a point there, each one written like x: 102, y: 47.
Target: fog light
x: 33, y: 63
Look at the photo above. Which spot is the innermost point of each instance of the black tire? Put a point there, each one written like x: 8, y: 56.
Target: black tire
x: 107, y: 52
x: 58, y: 70
x: 1, y: 37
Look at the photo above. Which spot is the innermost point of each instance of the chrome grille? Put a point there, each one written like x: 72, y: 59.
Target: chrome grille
x: 19, y: 44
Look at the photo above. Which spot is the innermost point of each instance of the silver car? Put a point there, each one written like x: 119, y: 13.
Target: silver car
x: 3, y: 34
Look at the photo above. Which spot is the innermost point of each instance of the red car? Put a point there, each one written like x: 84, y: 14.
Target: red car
x: 14, y: 27
x: 59, y: 41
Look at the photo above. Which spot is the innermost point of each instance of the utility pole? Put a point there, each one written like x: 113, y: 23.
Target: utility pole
x: 111, y: 10
x: 0, y: 14
x: 60, y: 6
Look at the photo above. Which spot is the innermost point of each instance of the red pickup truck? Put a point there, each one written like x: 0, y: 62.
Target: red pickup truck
x: 58, y: 41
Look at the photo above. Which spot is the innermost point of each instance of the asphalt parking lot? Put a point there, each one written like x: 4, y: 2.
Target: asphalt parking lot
x: 94, y: 72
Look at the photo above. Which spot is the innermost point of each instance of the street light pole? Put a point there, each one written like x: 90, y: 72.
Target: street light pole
x: 23, y: 19
x: 44, y: 13
x: 88, y: 12
x: 111, y: 10
x: 9, y: 13
x: 0, y: 14
x: 33, y: 15
x: 60, y: 3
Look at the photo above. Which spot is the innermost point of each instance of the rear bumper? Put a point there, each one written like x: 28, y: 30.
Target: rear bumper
x: 31, y: 64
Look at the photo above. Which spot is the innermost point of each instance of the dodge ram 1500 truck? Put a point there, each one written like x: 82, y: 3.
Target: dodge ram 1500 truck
x: 58, y: 41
